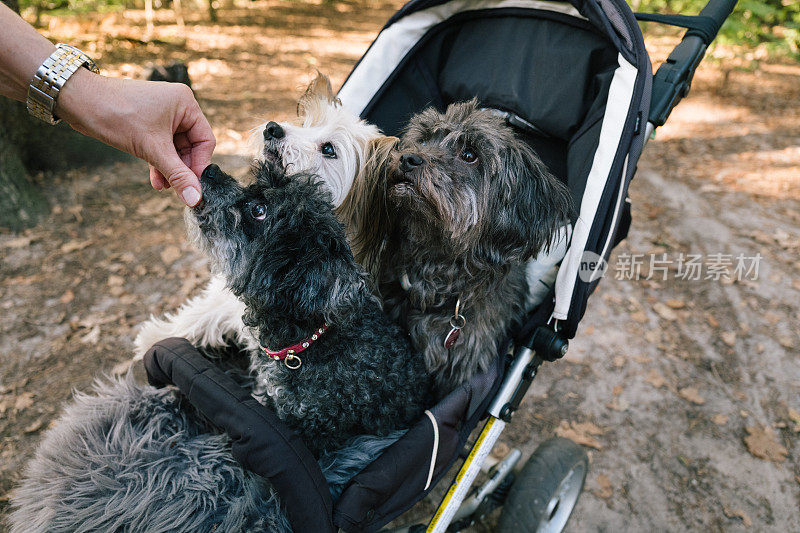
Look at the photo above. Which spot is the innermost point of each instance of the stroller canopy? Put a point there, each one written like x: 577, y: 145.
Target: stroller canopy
x: 574, y: 77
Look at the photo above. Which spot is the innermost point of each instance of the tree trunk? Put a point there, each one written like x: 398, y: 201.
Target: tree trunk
x: 21, y: 202
x: 27, y: 144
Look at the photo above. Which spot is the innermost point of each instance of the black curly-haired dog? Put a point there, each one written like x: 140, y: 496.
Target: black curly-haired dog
x: 447, y: 230
x: 134, y: 458
x: 332, y: 364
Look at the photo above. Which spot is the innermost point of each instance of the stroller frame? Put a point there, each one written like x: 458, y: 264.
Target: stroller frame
x: 372, y: 499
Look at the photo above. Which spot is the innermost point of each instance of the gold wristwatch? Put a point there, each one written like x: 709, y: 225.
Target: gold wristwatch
x: 51, y: 77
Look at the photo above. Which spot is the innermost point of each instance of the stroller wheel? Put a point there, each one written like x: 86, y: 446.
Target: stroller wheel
x: 547, y: 488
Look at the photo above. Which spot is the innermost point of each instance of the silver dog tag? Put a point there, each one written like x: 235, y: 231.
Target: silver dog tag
x: 457, y: 321
x: 452, y: 337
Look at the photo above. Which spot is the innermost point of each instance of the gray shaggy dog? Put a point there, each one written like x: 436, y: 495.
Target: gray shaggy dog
x: 135, y: 458
x: 447, y: 229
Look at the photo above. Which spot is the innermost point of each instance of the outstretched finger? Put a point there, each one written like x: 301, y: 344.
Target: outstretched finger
x: 180, y: 177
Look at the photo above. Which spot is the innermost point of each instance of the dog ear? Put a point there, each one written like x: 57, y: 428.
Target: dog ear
x: 364, y: 209
x: 532, y: 205
x: 319, y: 91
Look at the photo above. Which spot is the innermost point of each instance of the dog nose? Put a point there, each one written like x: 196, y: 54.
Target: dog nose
x: 273, y: 131
x: 409, y: 162
x: 211, y: 172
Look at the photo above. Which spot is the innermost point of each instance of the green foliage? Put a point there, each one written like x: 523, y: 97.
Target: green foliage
x: 773, y: 24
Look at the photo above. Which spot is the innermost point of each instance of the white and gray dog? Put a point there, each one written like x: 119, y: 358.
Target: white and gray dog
x: 135, y: 458
x: 448, y: 228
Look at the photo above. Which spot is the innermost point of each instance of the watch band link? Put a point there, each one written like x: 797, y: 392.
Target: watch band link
x: 51, y: 76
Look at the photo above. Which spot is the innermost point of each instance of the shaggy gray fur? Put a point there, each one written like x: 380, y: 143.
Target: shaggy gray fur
x: 462, y: 205
x: 134, y: 458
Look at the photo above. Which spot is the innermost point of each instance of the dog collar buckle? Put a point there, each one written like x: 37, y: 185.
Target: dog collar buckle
x: 291, y: 361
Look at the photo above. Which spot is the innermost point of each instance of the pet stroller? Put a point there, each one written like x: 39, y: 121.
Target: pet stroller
x: 575, y: 81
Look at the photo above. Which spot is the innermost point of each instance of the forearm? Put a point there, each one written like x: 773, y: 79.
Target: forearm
x: 22, y: 50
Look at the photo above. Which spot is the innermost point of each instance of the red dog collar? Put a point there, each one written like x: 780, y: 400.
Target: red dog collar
x: 289, y: 355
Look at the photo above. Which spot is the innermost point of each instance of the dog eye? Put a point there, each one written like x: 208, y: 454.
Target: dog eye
x: 258, y: 211
x: 468, y: 156
x: 328, y: 151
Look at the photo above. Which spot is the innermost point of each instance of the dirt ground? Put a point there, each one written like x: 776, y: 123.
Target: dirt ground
x: 685, y: 392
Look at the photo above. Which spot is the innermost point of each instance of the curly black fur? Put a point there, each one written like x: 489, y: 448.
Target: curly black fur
x: 462, y: 205
x: 284, y: 253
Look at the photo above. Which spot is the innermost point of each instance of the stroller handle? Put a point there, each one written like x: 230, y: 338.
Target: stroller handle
x: 718, y: 12
x: 673, y: 79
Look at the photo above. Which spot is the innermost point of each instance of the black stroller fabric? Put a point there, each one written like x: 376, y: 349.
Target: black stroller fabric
x: 406, y: 471
x: 261, y: 442
x: 403, y: 474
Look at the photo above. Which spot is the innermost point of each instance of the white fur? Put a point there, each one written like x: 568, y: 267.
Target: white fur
x: 214, y: 318
x: 326, y: 122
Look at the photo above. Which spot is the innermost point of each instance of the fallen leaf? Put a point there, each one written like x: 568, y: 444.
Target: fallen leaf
x: 720, y: 420
x: 170, y: 254
x: 786, y: 341
x: 23, y: 401
x: 74, y: 246
x: 500, y: 450
x: 580, y: 433
x: 738, y: 513
x: 728, y: 337
x: 35, y: 426
x: 655, y: 379
x: 639, y: 316
x: 712, y: 321
x: 604, y: 489
x: 67, y: 297
x: 664, y: 312
x: 617, y: 390
x: 19, y: 242
x: 763, y: 443
x: 675, y: 304
x: 691, y: 394
x: 92, y: 337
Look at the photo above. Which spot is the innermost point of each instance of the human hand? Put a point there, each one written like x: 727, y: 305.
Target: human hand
x: 156, y: 121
